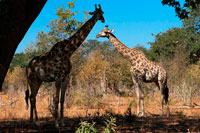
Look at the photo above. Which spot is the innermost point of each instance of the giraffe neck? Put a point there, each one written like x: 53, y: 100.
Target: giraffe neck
x: 78, y: 38
x: 120, y: 47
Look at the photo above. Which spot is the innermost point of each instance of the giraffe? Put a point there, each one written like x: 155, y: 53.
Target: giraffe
x: 55, y: 66
x: 142, y: 70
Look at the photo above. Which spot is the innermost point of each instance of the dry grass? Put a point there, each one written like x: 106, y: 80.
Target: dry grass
x: 16, y: 107
x: 108, y: 103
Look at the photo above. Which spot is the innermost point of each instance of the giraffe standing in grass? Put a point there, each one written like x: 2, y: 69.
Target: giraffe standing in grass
x: 55, y: 66
x: 142, y: 70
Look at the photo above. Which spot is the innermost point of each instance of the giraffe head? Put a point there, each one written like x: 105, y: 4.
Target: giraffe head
x: 105, y: 32
x: 99, y: 13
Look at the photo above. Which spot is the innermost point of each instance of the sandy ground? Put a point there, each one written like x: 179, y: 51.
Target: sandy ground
x: 15, y: 118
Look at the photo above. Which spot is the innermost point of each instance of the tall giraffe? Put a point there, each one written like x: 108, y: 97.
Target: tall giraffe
x: 142, y: 70
x: 55, y: 66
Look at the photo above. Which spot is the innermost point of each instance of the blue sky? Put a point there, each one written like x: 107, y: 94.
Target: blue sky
x: 133, y: 21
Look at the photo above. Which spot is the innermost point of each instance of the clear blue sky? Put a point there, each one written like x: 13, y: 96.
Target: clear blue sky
x: 134, y: 21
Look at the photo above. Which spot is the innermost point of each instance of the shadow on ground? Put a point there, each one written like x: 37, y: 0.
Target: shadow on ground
x: 174, y: 123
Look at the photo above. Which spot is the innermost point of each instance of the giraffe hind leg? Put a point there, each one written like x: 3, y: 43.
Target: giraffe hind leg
x: 166, y: 96
x: 34, y: 86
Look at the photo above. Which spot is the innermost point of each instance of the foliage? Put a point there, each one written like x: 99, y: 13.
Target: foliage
x: 192, y: 81
x: 168, y: 42
x: 20, y: 60
x: 92, y: 69
x: 193, y: 21
x: 61, y: 28
x: 65, y: 25
x: 118, y: 71
x: 6, y: 83
x: 142, y: 48
x: 194, y: 72
x: 182, y: 12
x: 110, y: 124
x: 17, y: 78
x: 86, y: 127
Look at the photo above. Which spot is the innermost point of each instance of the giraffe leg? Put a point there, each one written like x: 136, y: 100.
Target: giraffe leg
x: 137, y: 92
x: 140, y: 95
x: 138, y: 101
x: 142, y: 102
x: 56, y: 101
x: 65, y: 85
x: 166, y: 94
x: 168, y: 111
x: 161, y: 86
x: 34, y: 85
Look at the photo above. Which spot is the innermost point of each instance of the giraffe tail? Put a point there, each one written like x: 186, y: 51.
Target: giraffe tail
x: 166, y: 94
x: 27, y: 96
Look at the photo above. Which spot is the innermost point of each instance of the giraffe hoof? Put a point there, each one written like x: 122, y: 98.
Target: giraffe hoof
x: 63, y: 123
x: 37, y: 123
x: 56, y: 124
x: 142, y: 115
x: 138, y: 114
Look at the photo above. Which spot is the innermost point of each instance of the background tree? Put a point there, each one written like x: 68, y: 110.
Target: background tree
x: 193, y: 20
x: 60, y: 29
x: 17, y: 79
x: 182, y: 12
x: 185, y: 38
x: 91, y: 72
x: 19, y: 60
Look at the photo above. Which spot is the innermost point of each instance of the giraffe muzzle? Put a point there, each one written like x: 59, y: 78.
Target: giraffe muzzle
x: 97, y: 36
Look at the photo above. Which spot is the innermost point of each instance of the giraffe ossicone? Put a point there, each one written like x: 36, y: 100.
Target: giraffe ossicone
x: 142, y: 70
x: 55, y: 66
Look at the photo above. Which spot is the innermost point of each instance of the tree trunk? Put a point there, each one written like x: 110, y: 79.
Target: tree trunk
x: 16, y: 17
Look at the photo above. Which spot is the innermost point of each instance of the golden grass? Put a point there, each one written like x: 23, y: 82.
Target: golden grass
x: 114, y: 104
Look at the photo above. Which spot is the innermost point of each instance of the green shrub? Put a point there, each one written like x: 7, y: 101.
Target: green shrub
x: 86, y: 127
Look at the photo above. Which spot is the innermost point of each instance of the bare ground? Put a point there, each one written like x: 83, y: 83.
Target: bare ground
x: 174, y: 123
x: 15, y: 118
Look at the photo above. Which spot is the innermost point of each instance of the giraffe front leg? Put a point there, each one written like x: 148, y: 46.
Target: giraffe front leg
x: 138, y: 92
x: 56, y: 101
x: 63, y: 90
x: 34, y: 85
x: 140, y: 96
x: 142, y: 102
x: 65, y: 85
x: 141, y: 91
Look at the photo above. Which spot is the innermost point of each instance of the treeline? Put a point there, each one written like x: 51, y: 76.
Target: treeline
x: 97, y: 66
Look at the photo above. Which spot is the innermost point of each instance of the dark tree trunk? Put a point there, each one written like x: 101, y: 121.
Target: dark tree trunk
x: 16, y: 17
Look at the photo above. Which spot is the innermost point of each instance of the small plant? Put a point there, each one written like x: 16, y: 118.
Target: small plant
x: 180, y: 114
x: 108, y: 113
x: 110, y: 124
x: 128, y: 114
x: 86, y: 127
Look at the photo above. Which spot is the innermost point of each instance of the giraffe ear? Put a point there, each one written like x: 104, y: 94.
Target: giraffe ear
x: 91, y: 13
x: 112, y: 30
